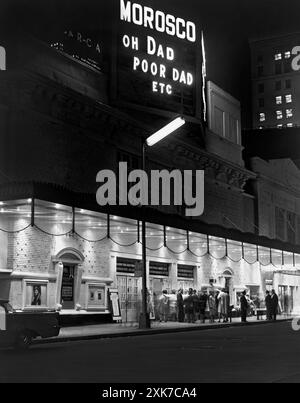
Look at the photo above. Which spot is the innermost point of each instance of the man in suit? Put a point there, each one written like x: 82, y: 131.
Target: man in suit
x: 274, y: 304
x: 244, y: 306
x: 268, y: 302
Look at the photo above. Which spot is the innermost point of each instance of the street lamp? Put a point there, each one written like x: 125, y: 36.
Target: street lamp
x: 144, y: 320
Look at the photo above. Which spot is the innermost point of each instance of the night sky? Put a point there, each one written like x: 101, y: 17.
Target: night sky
x: 227, y: 25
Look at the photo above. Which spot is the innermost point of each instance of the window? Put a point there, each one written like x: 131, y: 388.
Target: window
x: 287, y: 66
x: 279, y: 100
x: 279, y: 223
x: 291, y: 227
x: 278, y: 56
x: 185, y: 271
x: 132, y: 161
x: 260, y: 70
x: 262, y: 117
x: 126, y: 265
x: 288, y: 84
x: 260, y: 59
x: 289, y: 113
x: 288, y: 98
x: 279, y: 115
x: 290, y: 125
x: 287, y: 55
x: 159, y: 269
x: 278, y: 68
x: 261, y: 88
x: 277, y: 85
x: 261, y: 102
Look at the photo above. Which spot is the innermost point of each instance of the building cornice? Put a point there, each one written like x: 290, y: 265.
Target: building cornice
x: 216, y: 168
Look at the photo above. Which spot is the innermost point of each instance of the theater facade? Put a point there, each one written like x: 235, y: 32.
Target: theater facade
x: 64, y: 117
x: 73, y: 256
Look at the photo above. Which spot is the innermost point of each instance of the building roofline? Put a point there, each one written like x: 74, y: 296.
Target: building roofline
x: 272, y: 37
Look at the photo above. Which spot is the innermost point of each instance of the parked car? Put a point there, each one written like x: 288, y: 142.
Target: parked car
x: 18, y: 329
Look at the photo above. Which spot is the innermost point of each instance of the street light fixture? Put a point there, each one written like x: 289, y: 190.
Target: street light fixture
x: 165, y: 131
x: 144, y: 320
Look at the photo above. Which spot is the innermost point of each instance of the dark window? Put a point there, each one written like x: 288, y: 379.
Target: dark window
x: 261, y: 102
x: 159, y: 269
x: 291, y: 227
x: 132, y: 161
x: 260, y: 71
x: 279, y: 223
x: 288, y: 83
x: 287, y: 66
x: 185, y: 271
x: 126, y: 265
x: 260, y: 59
x: 278, y: 68
x: 277, y: 85
x: 261, y: 88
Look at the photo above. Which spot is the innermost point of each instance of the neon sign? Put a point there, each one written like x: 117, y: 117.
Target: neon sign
x: 157, y: 20
x: 158, y: 52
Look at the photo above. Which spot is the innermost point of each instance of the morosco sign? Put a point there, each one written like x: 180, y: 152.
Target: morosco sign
x: 158, y: 50
x: 157, y: 20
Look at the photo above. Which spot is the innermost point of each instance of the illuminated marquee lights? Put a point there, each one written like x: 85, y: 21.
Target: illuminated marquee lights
x: 157, y: 20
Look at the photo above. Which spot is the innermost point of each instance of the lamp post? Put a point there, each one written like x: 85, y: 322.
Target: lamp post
x: 144, y: 320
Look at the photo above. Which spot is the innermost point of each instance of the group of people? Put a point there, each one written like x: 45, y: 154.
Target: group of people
x: 271, y: 302
x: 192, y: 305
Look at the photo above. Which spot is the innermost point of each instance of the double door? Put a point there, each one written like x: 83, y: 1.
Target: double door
x: 130, y: 296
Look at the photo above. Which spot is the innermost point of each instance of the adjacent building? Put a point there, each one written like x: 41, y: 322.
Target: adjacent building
x: 275, y: 81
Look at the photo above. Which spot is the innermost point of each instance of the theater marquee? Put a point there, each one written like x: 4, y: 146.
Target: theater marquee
x: 156, y: 60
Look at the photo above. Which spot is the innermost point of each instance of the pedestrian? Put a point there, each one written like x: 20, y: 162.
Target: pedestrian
x: 180, y: 307
x: 150, y: 304
x: 173, y: 305
x: 196, y: 305
x: 268, y: 302
x: 223, y: 298
x: 217, y: 305
x: 228, y: 307
x: 164, y: 306
x: 212, y: 306
x: 274, y: 305
x: 244, y: 306
x: 202, y: 305
x: 189, y: 307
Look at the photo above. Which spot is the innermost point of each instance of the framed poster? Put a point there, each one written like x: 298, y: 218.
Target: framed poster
x: 114, y: 304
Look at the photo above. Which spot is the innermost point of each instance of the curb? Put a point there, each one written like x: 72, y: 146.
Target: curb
x: 154, y: 332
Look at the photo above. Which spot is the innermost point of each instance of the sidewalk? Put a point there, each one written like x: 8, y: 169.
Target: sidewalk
x: 131, y: 329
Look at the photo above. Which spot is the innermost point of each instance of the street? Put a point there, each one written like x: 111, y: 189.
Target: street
x: 268, y: 353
